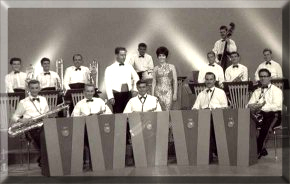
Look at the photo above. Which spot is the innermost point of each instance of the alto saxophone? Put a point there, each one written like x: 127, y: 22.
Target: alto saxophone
x: 36, y: 122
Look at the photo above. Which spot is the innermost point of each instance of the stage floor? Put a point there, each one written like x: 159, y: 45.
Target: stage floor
x: 266, y: 166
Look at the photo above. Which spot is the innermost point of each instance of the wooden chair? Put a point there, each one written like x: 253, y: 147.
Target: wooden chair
x: 199, y: 87
x: 76, y: 97
x: 51, y: 97
x: 239, y: 93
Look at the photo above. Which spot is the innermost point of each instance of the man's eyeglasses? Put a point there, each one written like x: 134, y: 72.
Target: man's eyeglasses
x: 263, y: 76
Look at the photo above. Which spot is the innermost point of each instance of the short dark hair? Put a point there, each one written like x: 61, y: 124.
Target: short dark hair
x: 162, y: 50
x: 267, y: 49
x: 89, y: 85
x: 14, y: 59
x: 139, y: 82
x: 210, y: 73
x: 265, y: 70
x: 210, y: 52
x: 33, y: 81
x: 224, y: 27
x: 77, y: 55
x: 235, y: 53
x: 118, y: 49
x: 142, y: 45
x: 44, y: 59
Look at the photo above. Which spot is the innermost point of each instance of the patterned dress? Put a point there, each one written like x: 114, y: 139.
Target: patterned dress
x: 164, y: 86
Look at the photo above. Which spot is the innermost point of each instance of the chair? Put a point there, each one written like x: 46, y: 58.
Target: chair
x: 198, y: 88
x: 76, y: 97
x: 239, y: 93
x: 51, y: 97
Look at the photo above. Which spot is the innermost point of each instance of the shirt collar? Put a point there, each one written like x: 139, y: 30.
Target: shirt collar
x: 145, y: 95
x: 31, y: 97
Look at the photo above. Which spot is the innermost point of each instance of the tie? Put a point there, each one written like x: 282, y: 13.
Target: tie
x: 37, y: 99
x: 16, y: 72
x: 46, y: 73
x: 141, y: 56
x: 121, y: 64
x: 208, y: 90
x: 211, y: 65
x: 78, y: 69
x: 268, y: 63
x: 91, y: 100
x: 235, y: 66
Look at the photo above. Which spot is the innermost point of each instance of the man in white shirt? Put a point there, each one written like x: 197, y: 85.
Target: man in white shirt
x: 236, y: 72
x: 120, y: 81
x: 143, y: 102
x: 142, y: 62
x: 224, y: 44
x: 211, y: 67
x: 267, y: 101
x: 47, y: 78
x: 273, y: 67
x: 30, y: 107
x: 15, y: 79
x: 90, y: 105
x: 76, y: 73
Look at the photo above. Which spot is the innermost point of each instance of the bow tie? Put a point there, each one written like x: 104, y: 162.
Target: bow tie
x: 121, y: 64
x: 268, y: 63
x: 91, y: 100
x: 16, y: 72
x: 211, y: 65
x: 140, y: 56
x: 140, y: 97
x: 208, y: 90
x: 79, y: 68
x: 235, y: 66
x: 33, y: 99
x: 46, y: 73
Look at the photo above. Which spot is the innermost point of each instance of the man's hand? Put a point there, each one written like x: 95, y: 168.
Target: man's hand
x: 134, y: 93
x: 174, y: 98
x: 112, y: 101
x: 24, y: 120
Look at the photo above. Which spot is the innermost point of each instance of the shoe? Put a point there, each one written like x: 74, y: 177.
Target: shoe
x: 39, y: 161
x: 263, y: 152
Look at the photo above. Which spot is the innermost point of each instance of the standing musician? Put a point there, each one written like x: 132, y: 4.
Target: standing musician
x: 31, y: 107
x: 224, y: 46
x: 48, y: 79
x: 15, y: 79
x: 76, y: 73
x: 143, y: 102
x: 266, y: 101
x: 236, y: 72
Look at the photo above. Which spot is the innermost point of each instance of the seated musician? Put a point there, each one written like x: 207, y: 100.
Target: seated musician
x: 143, y: 102
x: 211, y: 98
x: 15, y: 79
x: 76, y: 73
x: 48, y: 79
x: 31, y: 107
x: 236, y: 72
x: 213, y: 67
x: 266, y: 101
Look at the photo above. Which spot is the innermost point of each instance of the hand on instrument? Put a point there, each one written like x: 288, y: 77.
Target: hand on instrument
x: 112, y: 101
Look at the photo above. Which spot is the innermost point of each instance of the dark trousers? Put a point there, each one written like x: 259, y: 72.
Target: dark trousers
x: 268, y: 118
x: 140, y: 74
x: 121, y: 100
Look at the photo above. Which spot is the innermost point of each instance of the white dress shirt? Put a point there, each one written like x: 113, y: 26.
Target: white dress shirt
x: 116, y: 75
x: 216, y: 98
x: 274, y: 68
x: 85, y: 108
x: 142, y: 64
x: 233, y: 72
x: 49, y: 80
x: 220, y: 45
x: 72, y: 76
x: 139, y: 104
x: 272, y: 95
x: 216, y: 69
x: 13, y: 81
x: 29, y: 108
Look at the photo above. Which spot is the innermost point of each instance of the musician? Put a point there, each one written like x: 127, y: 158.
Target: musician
x: 270, y: 64
x: 15, y: 79
x: 266, y: 100
x: 224, y: 44
x: 90, y: 105
x: 211, y: 67
x: 76, y: 73
x: 143, y: 102
x: 31, y: 107
x: 236, y: 72
x: 47, y: 78
x: 142, y: 62
x: 118, y: 79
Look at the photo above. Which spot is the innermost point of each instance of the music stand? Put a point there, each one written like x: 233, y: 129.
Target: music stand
x: 19, y: 90
x: 48, y: 89
x: 78, y: 85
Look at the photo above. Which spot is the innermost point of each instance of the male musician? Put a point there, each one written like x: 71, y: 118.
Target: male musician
x: 90, y: 105
x: 31, y: 107
x: 270, y: 64
x: 142, y: 62
x: 266, y: 100
x: 211, y: 67
x: 15, y: 79
x: 236, y: 72
x: 143, y: 102
x: 118, y: 80
x: 47, y: 78
x: 76, y: 73
x: 224, y: 44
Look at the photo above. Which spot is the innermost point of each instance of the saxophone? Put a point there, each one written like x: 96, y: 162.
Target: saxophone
x: 35, y: 122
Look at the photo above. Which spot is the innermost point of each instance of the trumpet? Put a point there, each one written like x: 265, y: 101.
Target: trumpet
x: 94, y: 72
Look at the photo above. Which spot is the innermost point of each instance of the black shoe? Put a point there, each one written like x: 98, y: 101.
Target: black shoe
x: 263, y: 152
x: 39, y: 161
